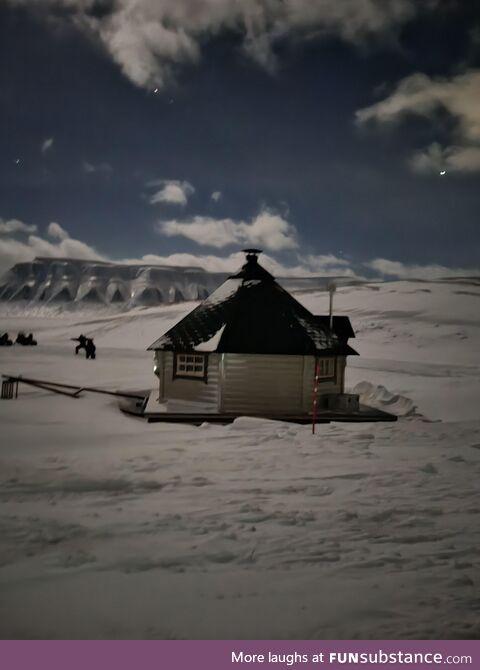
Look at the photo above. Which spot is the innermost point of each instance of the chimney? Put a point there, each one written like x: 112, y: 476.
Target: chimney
x: 252, y: 254
x: 252, y: 269
x: 331, y: 291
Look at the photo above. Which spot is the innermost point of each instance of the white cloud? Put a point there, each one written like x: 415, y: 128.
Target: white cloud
x: 172, y: 192
x: 420, y: 95
x: 234, y: 261
x: 328, y: 265
x: 436, y: 158
x: 15, y: 251
x: 15, y: 226
x: 63, y: 246
x: 56, y: 231
x: 47, y: 144
x: 395, y: 269
x: 208, y: 262
x: 97, y: 168
x: 268, y: 230
x: 216, y: 195
x: 149, y: 39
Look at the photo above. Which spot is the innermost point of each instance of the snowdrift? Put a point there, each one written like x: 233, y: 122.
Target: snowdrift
x: 381, y: 398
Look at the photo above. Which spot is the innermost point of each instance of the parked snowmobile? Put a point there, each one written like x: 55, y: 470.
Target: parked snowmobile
x: 26, y: 340
x: 5, y: 341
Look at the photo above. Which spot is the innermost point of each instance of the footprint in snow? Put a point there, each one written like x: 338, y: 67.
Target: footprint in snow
x: 201, y: 481
x: 429, y: 469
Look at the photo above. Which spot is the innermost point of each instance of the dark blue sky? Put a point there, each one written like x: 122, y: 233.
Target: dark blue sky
x: 286, y: 142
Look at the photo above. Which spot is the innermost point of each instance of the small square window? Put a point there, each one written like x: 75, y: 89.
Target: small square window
x: 326, y: 368
x: 190, y: 366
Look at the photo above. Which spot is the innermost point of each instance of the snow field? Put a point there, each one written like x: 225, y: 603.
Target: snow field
x: 114, y: 528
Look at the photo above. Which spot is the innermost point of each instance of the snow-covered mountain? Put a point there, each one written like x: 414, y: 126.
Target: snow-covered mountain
x: 79, y: 283
x: 66, y: 280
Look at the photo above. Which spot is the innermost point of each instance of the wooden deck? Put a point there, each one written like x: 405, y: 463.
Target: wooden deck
x: 136, y: 408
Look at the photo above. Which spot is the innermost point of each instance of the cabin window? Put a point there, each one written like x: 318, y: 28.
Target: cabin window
x: 326, y: 368
x: 190, y: 366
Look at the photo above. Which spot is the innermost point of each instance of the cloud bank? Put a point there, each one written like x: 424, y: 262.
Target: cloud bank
x: 396, y: 270
x: 15, y: 226
x: 150, y: 39
x: 420, y: 95
x: 21, y: 246
x: 267, y: 230
x: 56, y: 232
x: 17, y: 245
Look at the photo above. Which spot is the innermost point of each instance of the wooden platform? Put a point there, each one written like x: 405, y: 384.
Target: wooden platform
x: 137, y: 408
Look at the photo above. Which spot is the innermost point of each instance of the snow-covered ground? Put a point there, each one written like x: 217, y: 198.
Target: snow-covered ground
x: 112, y: 527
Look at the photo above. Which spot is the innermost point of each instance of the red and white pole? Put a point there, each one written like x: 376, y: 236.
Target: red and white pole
x: 315, y: 395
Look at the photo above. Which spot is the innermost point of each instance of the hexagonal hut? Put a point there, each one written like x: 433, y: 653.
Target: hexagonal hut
x: 251, y: 348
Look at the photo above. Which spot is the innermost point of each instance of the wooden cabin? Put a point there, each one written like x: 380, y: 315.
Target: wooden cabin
x: 251, y: 348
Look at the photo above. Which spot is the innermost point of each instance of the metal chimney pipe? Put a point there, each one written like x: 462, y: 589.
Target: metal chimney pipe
x: 331, y: 290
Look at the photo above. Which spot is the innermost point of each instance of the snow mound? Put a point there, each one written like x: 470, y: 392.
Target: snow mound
x: 381, y: 398
x: 254, y: 423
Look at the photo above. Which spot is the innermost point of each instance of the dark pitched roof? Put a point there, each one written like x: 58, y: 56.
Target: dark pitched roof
x: 341, y: 325
x: 251, y: 313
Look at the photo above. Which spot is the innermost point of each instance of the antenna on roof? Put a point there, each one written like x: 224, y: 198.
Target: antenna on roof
x: 331, y: 290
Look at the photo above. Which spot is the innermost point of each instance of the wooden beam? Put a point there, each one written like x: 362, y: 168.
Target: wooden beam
x: 77, y: 389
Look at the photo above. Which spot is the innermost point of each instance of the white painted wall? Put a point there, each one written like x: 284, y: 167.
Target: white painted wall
x: 249, y: 383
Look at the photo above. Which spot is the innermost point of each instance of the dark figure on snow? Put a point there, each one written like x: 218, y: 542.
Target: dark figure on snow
x: 5, y: 341
x: 90, y: 349
x: 82, y: 342
x: 25, y: 340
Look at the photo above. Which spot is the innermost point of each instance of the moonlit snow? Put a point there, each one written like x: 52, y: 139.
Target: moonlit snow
x: 111, y: 527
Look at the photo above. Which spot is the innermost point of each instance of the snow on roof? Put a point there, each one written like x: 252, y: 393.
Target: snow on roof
x: 252, y: 313
x: 211, y: 344
x: 203, y: 323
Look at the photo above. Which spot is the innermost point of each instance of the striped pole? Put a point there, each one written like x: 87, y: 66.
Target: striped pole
x: 315, y: 395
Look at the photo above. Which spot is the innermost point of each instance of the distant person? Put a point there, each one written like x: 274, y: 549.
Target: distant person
x: 82, y: 342
x: 20, y: 338
x: 90, y: 349
x: 30, y: 341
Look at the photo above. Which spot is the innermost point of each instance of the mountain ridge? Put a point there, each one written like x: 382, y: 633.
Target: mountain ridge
x: 83, y: 283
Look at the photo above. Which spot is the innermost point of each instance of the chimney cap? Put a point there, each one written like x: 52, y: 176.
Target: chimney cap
x: 252, y: 269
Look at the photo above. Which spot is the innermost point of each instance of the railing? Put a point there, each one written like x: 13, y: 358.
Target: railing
x: 10, y: 388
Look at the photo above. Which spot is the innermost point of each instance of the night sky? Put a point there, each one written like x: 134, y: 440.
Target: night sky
x: 341, y: 136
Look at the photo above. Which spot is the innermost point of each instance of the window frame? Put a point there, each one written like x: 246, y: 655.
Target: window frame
x: 178, y: 373
x: 318, y: 365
